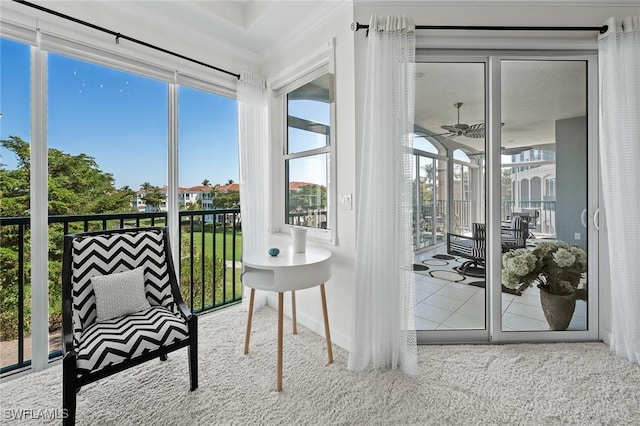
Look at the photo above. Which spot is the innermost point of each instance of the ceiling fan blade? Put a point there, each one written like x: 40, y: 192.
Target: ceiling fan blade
x: 474, y: 135
x: 451, y: 129
x: 460, y: 127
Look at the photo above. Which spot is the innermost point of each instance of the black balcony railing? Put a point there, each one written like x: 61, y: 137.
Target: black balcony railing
x: 311, y: 218
x: 210, y: 258
x: 545, y: 221
x: 431, y: 227
x: 210, y: 252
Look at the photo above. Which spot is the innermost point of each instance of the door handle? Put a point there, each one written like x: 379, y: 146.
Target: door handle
x: 583, y: 218
x: 596, y: 219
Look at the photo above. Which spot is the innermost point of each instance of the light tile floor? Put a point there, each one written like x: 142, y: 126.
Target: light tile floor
x: 442, y: 304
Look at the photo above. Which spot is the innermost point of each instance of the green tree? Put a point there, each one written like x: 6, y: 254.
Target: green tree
x: 308, y: 197
x: 225, y: 200
x: 76, y: 185
x: 206, y: 182
x: 153, y: 197
x: 194, y: 206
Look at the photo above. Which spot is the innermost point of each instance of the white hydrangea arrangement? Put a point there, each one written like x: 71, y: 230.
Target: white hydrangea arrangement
x: 555, y: 266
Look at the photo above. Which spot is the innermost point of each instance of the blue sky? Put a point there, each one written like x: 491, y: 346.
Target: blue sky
x: 120, y: 119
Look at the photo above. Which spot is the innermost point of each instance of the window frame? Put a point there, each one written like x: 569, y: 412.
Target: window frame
x: 316, y: 65
x: 308, y: 153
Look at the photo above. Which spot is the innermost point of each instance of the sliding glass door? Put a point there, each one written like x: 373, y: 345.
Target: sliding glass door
x: 513, y: 138
x: 450, y: 210
x: 545, y: 199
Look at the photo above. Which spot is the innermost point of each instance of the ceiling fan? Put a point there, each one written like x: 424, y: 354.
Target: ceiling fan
x: 460, y: 129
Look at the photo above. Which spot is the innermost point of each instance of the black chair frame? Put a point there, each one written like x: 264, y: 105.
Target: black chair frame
x: 72, y: 384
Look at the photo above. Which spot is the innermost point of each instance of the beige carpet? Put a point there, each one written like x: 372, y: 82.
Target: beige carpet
x: 543, y: 384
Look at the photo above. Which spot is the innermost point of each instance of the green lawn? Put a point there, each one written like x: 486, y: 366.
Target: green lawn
x: 220, y: 299
x: 208, y: 237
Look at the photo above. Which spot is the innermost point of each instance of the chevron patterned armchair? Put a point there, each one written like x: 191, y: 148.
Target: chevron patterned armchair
x: 121, y: 307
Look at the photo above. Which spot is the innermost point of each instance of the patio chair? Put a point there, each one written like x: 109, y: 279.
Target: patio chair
x: 529, y: 215
x: 515, y: 235
x: 121, y: 306
x: 470, y: 247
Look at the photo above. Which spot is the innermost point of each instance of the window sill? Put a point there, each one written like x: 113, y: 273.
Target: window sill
x: 316, y: 236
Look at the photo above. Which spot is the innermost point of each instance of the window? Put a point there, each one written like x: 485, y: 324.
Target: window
x: 422, y: 144
x: 101, y: 122
x: 536, y: 189
x: 524, y: 190
x: 307, y: 156
x: 117, y: 118
x: 15, y: 192
x: 208, y: 138
x: 550, y: 189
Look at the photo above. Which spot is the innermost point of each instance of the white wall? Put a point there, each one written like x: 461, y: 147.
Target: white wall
x: 340, y: 289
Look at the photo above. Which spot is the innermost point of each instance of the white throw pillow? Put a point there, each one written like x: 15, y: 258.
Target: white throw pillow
x: 119, y: 294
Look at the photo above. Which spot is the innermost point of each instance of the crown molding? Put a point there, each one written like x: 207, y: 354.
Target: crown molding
x: 321, y: 18
x: 192, y: 36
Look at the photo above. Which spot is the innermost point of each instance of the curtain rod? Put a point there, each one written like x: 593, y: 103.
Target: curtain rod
x: 119, y: 36
x: 356, y: 26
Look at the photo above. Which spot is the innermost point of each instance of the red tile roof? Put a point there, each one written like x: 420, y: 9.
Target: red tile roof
x: 298, y: 185
x: 234, y: 187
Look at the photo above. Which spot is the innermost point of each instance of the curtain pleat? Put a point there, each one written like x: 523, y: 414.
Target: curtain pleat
x: 253, y: 135
x: 384, y: 334
x: 619, y: 59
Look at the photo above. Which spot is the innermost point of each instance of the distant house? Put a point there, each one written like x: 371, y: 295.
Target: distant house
x: 229, y: 187
x: 297, y: 186
x: 140, y: 205
x: 191, y: 195
x: 186, y: 197
x: 533, y: 187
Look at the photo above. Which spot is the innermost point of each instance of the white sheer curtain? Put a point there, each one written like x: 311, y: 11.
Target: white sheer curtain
x: 384, y: 326
x: 253, y: 135
x: 619, y: 58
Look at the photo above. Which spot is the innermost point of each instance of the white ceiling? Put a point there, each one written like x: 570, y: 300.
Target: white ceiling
x: 535, y: 95
x: 247, y: 30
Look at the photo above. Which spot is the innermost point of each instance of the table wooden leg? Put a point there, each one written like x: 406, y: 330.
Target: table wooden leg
x: 326, y: 323
x: 246, y: 337
x: 280, y: 317
x: 293, y: 312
